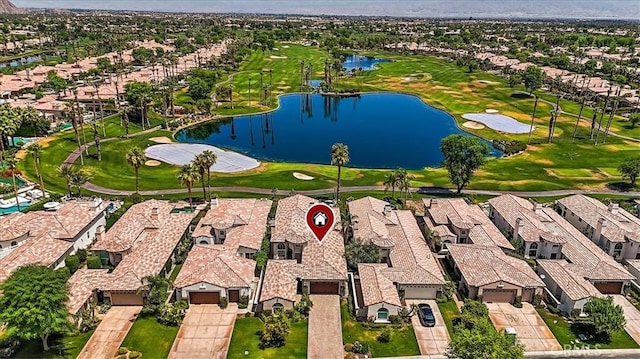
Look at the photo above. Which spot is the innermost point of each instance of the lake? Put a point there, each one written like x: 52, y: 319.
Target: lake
x: 359, y: 62
x: 382, y: 130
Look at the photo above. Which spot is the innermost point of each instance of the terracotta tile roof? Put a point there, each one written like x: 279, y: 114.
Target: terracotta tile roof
x: 376, y: 287
x: 572, y: 283
x: 280, y: 280
x: 369, y: 221
x: 244, y: 219
x: 620, y: 225
x: 457, y: 212
x: 217, y: 266
x: 481, y: 265
x: 11, y: 228
x: 82, y: 284
x: 44, y: 250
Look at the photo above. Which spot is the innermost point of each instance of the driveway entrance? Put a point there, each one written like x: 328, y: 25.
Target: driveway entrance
x: 110, y: 333
x: 325, y: 328
x: 531, y: 330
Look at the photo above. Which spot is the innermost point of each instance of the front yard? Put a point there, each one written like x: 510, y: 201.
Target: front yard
x: 62, y: 347
x: 449, y: 311
x: 245, y: 338
x: 403, y: 341
x: 152, y: 339
x: 567, y: 334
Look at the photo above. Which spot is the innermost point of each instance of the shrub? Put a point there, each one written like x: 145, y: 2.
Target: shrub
x: 134, y: 355
x: 172, y: 314
x: 82, y: 254
x: 348, y: 347
x: 537, y: 299
x: 554, y: 310
x: 404, y: 314
x: 104, y: 308
x: 224, y: 302
x: 73, y: 263
x: 360, y: 348
x: 94, y: 262
x: 395, y: 319
x: 247, y: 315
x: 276, y: 330
x: 243, y: 302
x: 123, y: 350
x: 385, y: 336
x: 518, y: 302
x: 304, y: 305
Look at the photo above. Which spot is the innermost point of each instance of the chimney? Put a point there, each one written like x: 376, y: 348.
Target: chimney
x: 354, y: 224
x: 538, y: 208
x: 597, y: 236
x: 154, y: 213
x: 387, y: 210
x: 614, y: 208
x: 517, y: 228
x: 99, y: 233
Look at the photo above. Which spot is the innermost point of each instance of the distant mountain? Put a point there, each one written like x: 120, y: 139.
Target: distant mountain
x: 6, y: 7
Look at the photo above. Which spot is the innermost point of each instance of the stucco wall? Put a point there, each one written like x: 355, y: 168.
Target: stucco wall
x: 88, y: 234
x: 182, y: 293
x: 372, y: 310
x: 268, y: 305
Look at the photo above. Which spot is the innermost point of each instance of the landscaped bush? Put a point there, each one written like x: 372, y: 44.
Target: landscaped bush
x: 509, y: 147
x: 553, y: 310
x: 276, y: 330
x: 104, y: 308
x: 123, y: 350
x: 135, y: 355
x: 385, y: 336
x: 360, y: 348
x: 518, y: 302
x: 243, y: 302
x: 82, y: 254
x: 224, y: 302
x: 94, y: 262
x: 348, y: 347
x: 73, y: 263
x: 395, y: 319
x: 537, y: 299
x: 172, y: 314
x: 248, y: 314
x: 304, y: 305
x: 404, y: 314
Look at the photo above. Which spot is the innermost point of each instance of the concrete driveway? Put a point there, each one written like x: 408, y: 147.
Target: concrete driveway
x: 110, y: 333
x: 530, y: 328
x: 325, y: 328
x: 431, y: 340
x: 205, y: 332
x: 631, y: 314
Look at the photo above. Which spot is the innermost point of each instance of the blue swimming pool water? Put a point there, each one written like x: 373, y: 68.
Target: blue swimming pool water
x: 383, y: 130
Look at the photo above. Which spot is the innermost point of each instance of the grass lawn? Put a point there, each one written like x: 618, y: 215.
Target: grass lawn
x: 151, y: 338
x: 403, y: 341
x: 567, y: 334
x: 175, y: 272
x: 449, y: 311
x: 245, y: 337
x: 62, y: 347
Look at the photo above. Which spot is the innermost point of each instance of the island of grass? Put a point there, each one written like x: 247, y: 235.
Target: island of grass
x: 245, y: 341
x: 562, y: 164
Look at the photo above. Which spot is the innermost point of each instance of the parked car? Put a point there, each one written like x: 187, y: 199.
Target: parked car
x: 425, y: 314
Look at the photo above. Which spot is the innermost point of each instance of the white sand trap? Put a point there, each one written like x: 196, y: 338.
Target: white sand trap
x: 490, y: 110
x: 161, y: 139
x: 409, y: 79
x: 277, y: 57
x: 183, y: 153
x: 498, y: 122
x: 473, y: 125
x: 285, y: 46
x: 487, y: 82
x: 152, y: 163
x: 302, y: 176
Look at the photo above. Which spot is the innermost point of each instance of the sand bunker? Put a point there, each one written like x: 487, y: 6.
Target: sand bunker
x: 152, y: 163
x: 409, y: 79
x: 490, y: 110
x: 302, y: 176
x: 473, y: 125
x: 277, y: 57
x: 487, y: 82
x: 161, y: 139
x: 285, y: 46
x: 183, y: 153
x: 498, y: 122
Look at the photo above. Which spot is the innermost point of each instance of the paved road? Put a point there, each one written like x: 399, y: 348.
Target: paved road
x: 325, y: 328
x: 111, y: 331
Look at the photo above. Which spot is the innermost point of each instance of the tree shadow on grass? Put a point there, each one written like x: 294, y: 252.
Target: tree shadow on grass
x: 520, y: 95
x: 589, y: 331
x: 620, y: 186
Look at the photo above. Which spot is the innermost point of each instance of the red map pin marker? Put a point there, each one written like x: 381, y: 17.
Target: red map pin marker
x: 320, y: 220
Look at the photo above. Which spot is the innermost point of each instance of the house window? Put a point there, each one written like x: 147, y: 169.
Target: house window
x: 223, y: 234
x: 278, y: 306
x: 617, y: 250
x: 249, y: 255
x: 282, y: 250
x: 14, y: 243
x: 383, y: 314
x: 204, y: 241
x: 533, y: 250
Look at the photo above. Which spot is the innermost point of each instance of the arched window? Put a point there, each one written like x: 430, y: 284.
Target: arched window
x: 278, y: 306
x: 204, y: 241
x: 281, y: 246
x: 617, y: 250
x: 533, y: 250
x: 282, y: 251
x: 14, y: 243
x: 383, y: 314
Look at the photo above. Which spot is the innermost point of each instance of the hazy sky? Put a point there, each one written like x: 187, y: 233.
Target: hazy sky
x: 600, y: 9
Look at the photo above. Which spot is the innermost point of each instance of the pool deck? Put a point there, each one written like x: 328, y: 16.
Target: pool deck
x: 183, y: 153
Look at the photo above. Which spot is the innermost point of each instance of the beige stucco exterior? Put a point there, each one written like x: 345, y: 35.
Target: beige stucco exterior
x: 183, y: 293
x: 268, y: 304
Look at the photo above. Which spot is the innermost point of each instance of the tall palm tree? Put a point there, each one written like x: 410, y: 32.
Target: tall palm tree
x: 199, y: 162
x: 136, y: 158
x: 339, y: 157
x: 36, y: 152
x: 67, y: 172
x: 12, y: 167
x: 188, y: 175
x: 391, y: 180
x: 78, y: 179
x: 210, y: 159
x: 96, y: 139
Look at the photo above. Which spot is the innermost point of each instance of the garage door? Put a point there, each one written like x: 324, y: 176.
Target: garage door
x: 204, y: 297
x: 609, y: 287
x: 324, y: 288
x: 126, y: 299
x: 499, y: 295
x: 420, y: 291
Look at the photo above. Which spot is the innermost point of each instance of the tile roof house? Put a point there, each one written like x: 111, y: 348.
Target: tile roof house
x: 48, y: 237
x: 143, y: 242
x: 453, y: 220
x: 221, y: 263
x: 407, y: 263
x: 488, y: 273
x: 583, y: 257
x: 612, y: 228
x: 321, y: 267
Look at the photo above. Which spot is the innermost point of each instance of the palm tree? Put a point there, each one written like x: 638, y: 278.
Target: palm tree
x: 188, y: 175
x: 136, y: 158
x: 12, y: 167
x: 96, y: 139
x: 36, y: 152
x: 199, y: 162
x: 390, y: 182
x: 156, y: 287
x: 67, y: 172
x: 339, y: 157
x: 10, y: 122
x: 403, y: 181
x: 210, y: 159
x: 78, y: 179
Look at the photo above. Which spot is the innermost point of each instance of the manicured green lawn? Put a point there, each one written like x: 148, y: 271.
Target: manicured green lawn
x: 567, y: 334
x: 151, y: 338
x: 403, y: 341
x: 245, y: 338
x: 175, y: 272
x: 449, y: 311
x: 66, y: 347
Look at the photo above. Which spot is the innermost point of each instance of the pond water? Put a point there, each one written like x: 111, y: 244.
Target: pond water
x: 365, y: 63
x: 384, y: 130
x: 22, y: 61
